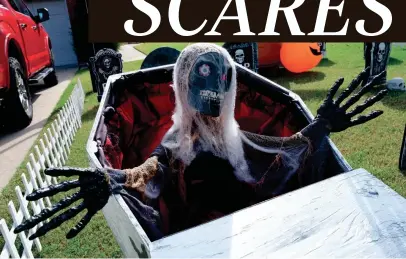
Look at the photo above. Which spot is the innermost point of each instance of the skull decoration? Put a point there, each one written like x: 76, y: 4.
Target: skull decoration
x: 381, y: 52
x: 397, y: 84
x: 239, y: 56
x: 107, y: 62
x: 208, y: 83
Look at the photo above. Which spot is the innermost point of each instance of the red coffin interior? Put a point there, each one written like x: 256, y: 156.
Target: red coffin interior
x: 144, y: 107
x: 144, y: 115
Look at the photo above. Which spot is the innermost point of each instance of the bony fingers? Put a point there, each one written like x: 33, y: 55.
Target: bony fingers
x: 47, y: 212
x: 57, y: 221
x: 365, y: 118
x: 333, y: 90
x: 361, y: 76
x: 68, y: 171
x: 53, y: 189
x: 351, y: 87
x: 356, y: 97
x: 347, y: 92
x: 80, y: 226
x: 368, y: 103
x: 366, y: 70
x: 378, y: 77
x: 376, y: 98
x: 372, y: 82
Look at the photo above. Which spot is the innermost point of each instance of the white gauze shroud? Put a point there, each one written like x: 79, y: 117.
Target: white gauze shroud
x: 221, y: 136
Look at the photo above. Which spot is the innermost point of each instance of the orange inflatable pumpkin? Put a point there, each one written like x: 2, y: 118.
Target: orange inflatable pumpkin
x: 269, y: 53
x: 300, y: 57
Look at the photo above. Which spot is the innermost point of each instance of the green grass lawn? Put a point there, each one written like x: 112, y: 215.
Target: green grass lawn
x: 374, y: 146
x: 96, y: 240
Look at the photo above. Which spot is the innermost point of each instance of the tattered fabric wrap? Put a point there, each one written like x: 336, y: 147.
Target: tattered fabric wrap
x: 168, y: 196
x: 138, y: 177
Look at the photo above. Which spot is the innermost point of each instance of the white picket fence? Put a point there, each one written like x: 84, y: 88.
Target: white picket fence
x: 53, y: 151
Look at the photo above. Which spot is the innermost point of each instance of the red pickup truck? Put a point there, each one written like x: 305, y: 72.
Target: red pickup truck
x: 25, y: 58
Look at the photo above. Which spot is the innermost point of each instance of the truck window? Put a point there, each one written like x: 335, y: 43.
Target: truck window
x: 20, y: 7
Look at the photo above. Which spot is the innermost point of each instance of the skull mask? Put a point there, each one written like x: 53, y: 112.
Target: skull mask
x: 239, y: 56
x: 209, y: 81
x: 381, y: 52
x: 107, y: 62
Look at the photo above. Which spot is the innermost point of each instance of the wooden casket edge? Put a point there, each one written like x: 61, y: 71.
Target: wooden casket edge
x: 127, y: 246
x: 137, y: 235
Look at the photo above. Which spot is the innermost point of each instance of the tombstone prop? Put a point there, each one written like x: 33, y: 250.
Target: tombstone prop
x: 349, y: 203
x: 105, y: 63
x: 160, y: 56
x: 323, y: 49
x: 376, y: 55
x: 244, y: 53
x: 402, y: 158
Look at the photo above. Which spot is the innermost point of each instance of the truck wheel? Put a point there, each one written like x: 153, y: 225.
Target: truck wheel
x: 51, y: 79
x: 18, y: 103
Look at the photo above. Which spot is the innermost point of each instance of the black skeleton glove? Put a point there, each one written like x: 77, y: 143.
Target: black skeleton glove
x: 336, y: 117
x: 94, y: 188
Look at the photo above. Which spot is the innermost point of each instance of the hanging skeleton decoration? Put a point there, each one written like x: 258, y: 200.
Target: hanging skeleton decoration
x: 203, y: 152
x: 376, y: 55
x: 244, y: 53
x: 105, y: 63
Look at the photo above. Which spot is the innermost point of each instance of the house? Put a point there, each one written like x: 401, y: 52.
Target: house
x: 59, y: 29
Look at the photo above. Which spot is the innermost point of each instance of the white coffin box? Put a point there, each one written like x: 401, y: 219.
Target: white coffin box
x: 350, y: 214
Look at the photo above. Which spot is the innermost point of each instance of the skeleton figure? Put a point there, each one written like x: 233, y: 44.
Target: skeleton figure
x: 381, y: 59
x: 107, y: 69
x: 376, y: 55
x: 381, y: 52
x: 107, y: 63
x: 205, y: 166
x: 239, y: 56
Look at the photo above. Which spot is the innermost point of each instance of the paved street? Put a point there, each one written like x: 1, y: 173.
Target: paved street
x: 14, y: 147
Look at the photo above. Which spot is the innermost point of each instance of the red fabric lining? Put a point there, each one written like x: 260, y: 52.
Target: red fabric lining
x: 163, y: 209
x: 144, y: 116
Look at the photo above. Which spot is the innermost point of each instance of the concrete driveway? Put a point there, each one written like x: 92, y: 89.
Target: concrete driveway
x: 129, y: 53
x: 15, y: 146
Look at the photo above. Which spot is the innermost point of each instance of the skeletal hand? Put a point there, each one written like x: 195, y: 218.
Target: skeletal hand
x: 94, y: 190
x: 337, y: 118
